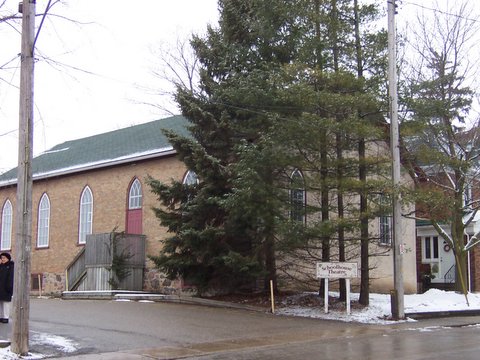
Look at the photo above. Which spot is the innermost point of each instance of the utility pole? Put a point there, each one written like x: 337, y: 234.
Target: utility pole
x: 398, y: 293
x: 23, y: 243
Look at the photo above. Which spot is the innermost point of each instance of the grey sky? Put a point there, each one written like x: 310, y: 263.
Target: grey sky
x: 97, y: 71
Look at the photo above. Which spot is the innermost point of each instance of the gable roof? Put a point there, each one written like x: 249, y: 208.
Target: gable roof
x: 125, y: 145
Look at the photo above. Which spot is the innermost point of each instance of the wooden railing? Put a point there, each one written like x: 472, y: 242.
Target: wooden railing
x: 76, y: 271
x: 91, y: 268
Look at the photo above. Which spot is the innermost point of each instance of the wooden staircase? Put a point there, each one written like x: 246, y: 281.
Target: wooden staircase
x: 91, y: 269
x: 76, y: 272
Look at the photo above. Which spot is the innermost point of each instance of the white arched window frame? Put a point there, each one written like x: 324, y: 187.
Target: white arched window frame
x: 7, y: 221
x: 190, y: 178
x: 43, y: 231
x: 135, y: 195
x: 297, y: 196
x: 86, y: 215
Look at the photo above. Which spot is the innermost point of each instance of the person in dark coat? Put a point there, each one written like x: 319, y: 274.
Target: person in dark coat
x: 6, y: 286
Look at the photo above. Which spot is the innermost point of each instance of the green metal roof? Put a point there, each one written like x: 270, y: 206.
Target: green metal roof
x: 120, y: 146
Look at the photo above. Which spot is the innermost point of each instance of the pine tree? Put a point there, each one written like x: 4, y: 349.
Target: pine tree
x: 339, y: 91
x: 215, y: 242
x: 277, y: 93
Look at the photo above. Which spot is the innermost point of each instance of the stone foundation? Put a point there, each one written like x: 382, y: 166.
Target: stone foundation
x: 156, y: 282
x: 51, y: 284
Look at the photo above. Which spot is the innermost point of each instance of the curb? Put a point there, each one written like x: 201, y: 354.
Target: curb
x: 442, y: 314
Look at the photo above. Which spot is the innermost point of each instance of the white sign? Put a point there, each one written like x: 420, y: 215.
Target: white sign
x: 336, y: 270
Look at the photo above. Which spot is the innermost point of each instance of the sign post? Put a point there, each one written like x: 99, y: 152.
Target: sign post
x: 337, y: 270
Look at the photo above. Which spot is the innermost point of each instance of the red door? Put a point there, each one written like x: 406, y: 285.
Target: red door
x: 134, y: 221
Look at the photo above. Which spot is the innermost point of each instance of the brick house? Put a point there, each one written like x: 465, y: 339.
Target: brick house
x: 434, y: 254
x: 97, y: 184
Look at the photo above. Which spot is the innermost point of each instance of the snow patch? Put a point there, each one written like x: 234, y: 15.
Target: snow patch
x: 379, y: 310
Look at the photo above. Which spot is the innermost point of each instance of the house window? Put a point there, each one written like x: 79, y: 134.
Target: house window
x: 385, y: 230
x: 297, y: 197
x: 430, y: 248
x: 190, y: 178
x: 36, y: 282
x: 86, y: 215
x: 135, y: 195
x: 385, y: 220
x: 43, y: 221
x: 7, y: 217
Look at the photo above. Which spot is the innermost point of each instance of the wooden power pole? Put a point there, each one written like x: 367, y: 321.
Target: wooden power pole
x: 23, y: 243
x: 398, y: 293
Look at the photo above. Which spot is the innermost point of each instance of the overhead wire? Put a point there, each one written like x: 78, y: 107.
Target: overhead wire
x: 441, y: 11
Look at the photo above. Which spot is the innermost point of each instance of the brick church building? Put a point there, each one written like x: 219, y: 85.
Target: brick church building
x: 96, y: 185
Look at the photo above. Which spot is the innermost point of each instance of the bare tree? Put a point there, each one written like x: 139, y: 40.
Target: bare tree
x: 441, y: 136
x: 176, y: 66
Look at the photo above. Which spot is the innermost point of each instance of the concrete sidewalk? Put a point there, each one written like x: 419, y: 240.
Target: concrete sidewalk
x: 207, y: 302
x: 181, y: 299
x: 144, y: 296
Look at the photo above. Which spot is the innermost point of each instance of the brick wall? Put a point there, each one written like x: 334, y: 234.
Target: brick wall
x: 474, y: 265
x: 110, y: 194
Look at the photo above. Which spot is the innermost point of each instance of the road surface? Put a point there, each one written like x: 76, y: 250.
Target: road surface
x: 108, y: 330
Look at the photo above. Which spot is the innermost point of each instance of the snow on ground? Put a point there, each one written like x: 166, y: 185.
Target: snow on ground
x: 60, y: 343
x: 377, y: 312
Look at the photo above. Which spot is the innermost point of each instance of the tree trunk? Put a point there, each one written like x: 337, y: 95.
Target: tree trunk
x: 362, y: 175
x: 270, y: 263
x: 364, y: 236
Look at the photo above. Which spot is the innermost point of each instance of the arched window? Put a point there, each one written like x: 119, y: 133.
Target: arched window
x: 190, y: 178
x: 7, y: 219
x: 135, y: 195
x: 297, y: 196
x: 86, y: 215
x: 134, y: 211
x: 43, y: 221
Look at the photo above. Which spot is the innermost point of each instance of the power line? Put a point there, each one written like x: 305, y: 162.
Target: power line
x: 441, y: 11
x: 9, y: 132
x: 9, y: 61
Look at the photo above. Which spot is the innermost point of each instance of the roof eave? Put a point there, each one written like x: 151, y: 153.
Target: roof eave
x: 95, y: 166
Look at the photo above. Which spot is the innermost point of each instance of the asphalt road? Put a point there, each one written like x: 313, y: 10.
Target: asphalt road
x: 111, y: 330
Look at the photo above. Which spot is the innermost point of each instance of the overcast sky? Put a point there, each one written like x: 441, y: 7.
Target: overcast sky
x: 100, y: 68
x: 103, y: 66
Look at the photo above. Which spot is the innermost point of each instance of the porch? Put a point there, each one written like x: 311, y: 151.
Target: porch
x: 429, y: 279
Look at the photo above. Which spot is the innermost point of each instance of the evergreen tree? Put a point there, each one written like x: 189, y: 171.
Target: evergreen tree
x: 277, y: 93
x: 212, y: 242
x: 339, y: 92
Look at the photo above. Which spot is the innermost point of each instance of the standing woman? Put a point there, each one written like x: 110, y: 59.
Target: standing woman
x: 6, y: 286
